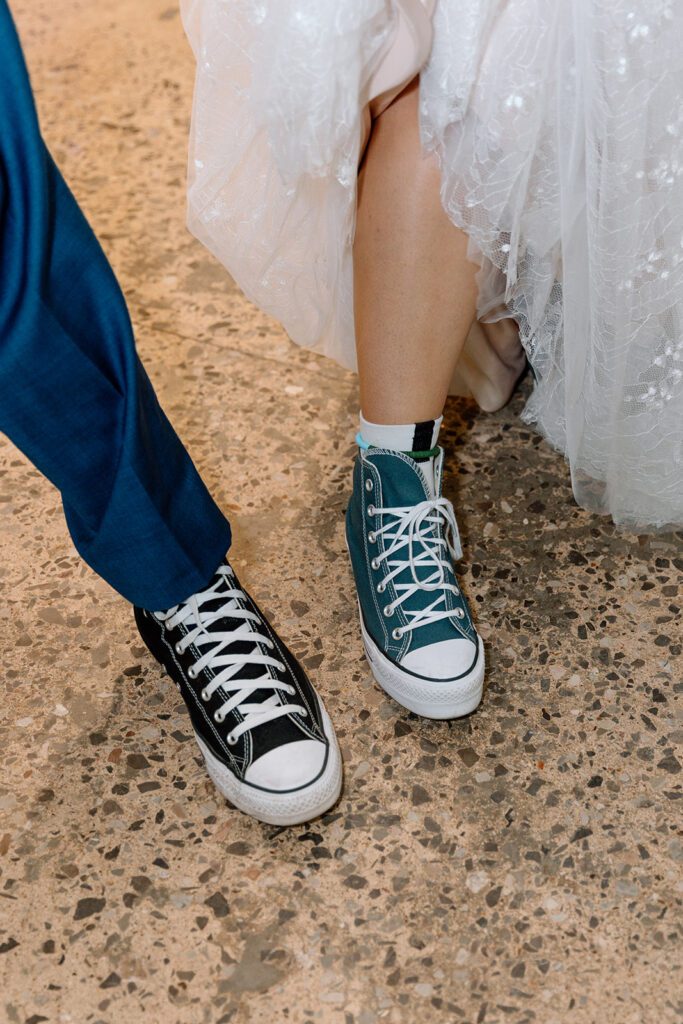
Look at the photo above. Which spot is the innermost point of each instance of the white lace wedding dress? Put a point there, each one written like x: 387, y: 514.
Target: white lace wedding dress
x: 559, y: 128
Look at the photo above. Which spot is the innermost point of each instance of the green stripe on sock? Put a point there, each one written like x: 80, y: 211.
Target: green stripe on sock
x: 418, y: 456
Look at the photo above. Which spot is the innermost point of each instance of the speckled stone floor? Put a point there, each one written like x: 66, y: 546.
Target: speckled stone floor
x: 522, y: 865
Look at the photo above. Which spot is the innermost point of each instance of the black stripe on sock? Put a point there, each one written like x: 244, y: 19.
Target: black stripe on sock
x: 422, y: 438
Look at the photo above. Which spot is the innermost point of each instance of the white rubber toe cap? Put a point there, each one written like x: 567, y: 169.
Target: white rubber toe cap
x: 444, y: 660
x: 287, y: 767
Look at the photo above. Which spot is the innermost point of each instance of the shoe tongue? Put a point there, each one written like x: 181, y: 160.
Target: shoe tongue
x: 429, y: 472
x: 407, y: 481
x: 244, y: 646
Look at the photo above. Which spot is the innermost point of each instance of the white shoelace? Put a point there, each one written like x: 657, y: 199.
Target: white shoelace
x: 225, y: 665
x: 418, y: 536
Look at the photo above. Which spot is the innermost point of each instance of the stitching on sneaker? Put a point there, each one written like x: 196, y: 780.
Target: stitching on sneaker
x: 374, y: 472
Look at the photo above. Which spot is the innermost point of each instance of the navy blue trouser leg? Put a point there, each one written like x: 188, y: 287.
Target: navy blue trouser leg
x: 74, y: 396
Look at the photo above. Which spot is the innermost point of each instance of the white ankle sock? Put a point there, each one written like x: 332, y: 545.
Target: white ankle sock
x: 401, y: 437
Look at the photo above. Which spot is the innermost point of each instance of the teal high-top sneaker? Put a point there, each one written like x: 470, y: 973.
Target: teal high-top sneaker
x: 403, y: 538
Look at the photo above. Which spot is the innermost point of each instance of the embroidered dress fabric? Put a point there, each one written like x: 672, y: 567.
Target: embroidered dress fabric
x: 558, y: 127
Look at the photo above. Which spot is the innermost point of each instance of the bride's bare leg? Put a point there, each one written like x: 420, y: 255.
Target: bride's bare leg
x: 415, y: 289
x: 415, y: 300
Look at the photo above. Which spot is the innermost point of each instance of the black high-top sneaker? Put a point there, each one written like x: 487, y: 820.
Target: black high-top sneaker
x: 267, y: 740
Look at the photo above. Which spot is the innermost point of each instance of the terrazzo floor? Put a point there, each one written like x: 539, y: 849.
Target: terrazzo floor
x: 523, y: 865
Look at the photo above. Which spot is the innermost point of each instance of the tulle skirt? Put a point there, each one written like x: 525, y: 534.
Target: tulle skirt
x: 559, y: 131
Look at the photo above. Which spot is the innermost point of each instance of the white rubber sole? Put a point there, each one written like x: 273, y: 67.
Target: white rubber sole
x: 430, y: 698
x: 290, y: 808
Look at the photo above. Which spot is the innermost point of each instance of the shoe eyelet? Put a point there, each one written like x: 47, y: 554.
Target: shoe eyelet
x: 219, y: 717
x: 459, y: 613
x: 192, y: 672
x: 371, y: 510
x: 369, y: 484
x: 205, y: 695
x: 381, y: 587
x: 397, y: 634
x: 372, y: 537
x: 270, y: 645
x: 374, y: 564
x: 178, y: 648
x: 281, y: 667
x: 388, y: 610
x: 231, y: 740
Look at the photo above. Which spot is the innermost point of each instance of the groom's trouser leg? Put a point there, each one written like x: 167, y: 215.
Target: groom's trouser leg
x: 74, y: 396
